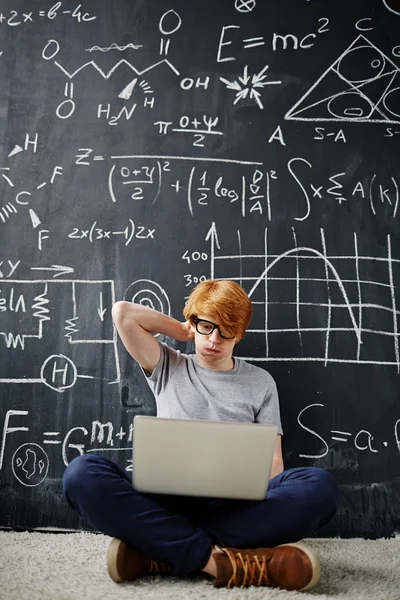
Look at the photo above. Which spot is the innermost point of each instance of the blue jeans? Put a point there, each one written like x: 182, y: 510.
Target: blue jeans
x: 181, y: 530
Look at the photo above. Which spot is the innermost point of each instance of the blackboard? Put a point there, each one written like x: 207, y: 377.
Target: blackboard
x: 146, y: 146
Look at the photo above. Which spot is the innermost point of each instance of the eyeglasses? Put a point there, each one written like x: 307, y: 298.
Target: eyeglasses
x: 207, y: 327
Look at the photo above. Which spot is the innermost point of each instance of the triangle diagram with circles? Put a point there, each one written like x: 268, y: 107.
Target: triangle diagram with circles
x: 361, y: 86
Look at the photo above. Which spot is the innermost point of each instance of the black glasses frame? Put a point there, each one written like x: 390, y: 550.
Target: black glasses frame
x: 196, y: 321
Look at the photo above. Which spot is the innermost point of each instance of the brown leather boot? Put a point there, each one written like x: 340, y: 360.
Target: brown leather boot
x: 290, y: 567
x: 126, y: 563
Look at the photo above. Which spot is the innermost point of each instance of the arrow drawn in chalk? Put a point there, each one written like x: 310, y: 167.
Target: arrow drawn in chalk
x: 101, y: 311
x: 60, y: 270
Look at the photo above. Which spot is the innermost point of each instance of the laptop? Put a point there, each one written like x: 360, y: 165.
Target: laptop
x: 217, y: 459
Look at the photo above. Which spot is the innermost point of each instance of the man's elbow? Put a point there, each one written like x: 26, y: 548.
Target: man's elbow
x: 120, y: 311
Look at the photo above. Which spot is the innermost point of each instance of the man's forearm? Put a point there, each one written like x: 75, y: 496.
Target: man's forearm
x: 277, y: 467
x: 149, y: 319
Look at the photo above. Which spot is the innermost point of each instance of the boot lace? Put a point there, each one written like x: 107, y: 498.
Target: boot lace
x: 159, y: 568
x: 247, y: 570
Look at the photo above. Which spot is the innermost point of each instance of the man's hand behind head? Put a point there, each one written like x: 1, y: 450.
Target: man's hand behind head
x: 188, y: 332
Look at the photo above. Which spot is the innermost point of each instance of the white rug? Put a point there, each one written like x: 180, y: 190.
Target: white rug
x: 48, y: 566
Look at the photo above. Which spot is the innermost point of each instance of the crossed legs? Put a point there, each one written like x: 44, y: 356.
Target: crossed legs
x: 182, y: 531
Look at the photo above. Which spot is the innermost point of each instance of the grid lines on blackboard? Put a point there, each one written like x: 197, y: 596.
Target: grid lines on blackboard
x: 310, y: 305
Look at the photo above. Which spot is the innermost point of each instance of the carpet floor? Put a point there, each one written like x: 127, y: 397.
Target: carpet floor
x: 72, y: 566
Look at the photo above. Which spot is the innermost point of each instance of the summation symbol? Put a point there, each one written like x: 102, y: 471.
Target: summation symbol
x: 362, y: 85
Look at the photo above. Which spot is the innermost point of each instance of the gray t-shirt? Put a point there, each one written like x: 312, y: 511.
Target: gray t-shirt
x: 185, y: 390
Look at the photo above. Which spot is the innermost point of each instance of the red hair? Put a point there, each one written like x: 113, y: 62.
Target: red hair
x: 226, y: 300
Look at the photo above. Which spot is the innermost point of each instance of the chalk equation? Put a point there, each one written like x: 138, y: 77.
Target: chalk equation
x: 13, y: 18
x: 232, y: 37
x: 30, y: 460
x: 245, y: 187
x: 199, y: 129
x: 142, y: 177
x: 94, y: 233
x: 362, y: 440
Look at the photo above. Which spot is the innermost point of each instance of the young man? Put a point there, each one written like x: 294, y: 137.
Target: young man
x: 237, y: 542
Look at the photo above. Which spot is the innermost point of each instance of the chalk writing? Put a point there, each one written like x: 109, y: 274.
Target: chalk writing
x: 278, y: 41
x: 15, y: 18
x: 363, y: 440
x: 30, y: 461
x: 364, y: 319
x: 245, y: 6
x: 392, y: 5
x: 362, y: 88
x: 247, y: 85
x: 148, y: 293
x: 254, y: 192
x: 147, y: 148
x: 94, y: 233
x: 27, y: 307
x: 198, y: 128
